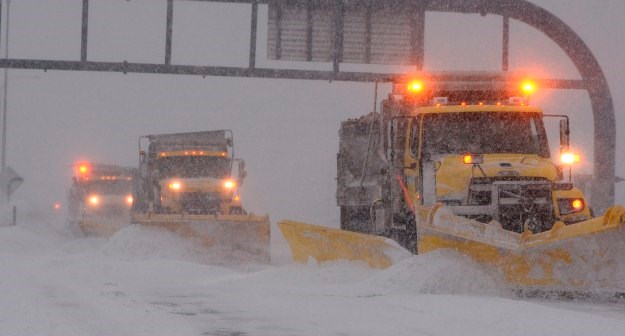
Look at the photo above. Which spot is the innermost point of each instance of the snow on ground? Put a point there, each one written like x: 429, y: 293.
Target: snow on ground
x: 146, y: 282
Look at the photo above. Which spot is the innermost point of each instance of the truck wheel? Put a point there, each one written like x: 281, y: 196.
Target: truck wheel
x: 408, y: 237
x: 356, y: 219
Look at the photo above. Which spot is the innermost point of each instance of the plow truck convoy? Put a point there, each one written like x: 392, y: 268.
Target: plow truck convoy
x: 466, y: 166
x: 185, y: 184
x: 100, y: 198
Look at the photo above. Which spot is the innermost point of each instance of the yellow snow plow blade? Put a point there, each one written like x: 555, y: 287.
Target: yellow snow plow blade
x: 326, y: 244
x: 587, y: 257
x: 245, y: 233
x: 102, y: 226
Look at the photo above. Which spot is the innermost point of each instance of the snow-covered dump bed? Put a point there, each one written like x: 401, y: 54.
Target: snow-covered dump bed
x: 360, y: 160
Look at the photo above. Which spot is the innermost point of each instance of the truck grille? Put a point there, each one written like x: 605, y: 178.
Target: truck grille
x: 201, y: 203
x: 519, y: 201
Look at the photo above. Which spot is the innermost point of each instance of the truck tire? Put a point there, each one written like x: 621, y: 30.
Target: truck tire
x: 356, y: 219
x: 408, y: 237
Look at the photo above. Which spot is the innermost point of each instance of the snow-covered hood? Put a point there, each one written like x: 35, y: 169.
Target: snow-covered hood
x: 453, y: 175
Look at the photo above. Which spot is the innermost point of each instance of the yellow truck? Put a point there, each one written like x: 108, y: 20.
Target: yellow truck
x: 467, y: 166
x: 100, y: 198
x: 186, y: 183
x: 482, y: 153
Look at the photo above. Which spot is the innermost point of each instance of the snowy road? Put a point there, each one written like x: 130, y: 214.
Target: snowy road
x: 145, y: 282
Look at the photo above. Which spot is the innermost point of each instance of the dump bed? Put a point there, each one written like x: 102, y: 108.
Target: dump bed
x: 360, y: 160
x: 208, y: 140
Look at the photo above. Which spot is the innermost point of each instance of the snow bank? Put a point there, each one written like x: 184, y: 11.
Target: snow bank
x: 138, y: 242
x: 20, y: 240
x: 144, y: 281
x: 438, y: 272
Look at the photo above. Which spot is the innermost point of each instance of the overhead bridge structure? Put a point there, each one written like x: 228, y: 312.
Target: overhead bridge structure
x: 374, y: 32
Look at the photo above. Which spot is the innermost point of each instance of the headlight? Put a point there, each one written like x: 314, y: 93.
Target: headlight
x: 570, y: 205
x: 229, y: 184
x: 568, y: 158
x: 94, y: 200
x: 175, y: 186
x: 129, y: 200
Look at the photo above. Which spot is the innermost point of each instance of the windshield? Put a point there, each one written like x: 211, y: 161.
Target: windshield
x: 109, y: 187
x: 485, y: 133
x: 194, y: 166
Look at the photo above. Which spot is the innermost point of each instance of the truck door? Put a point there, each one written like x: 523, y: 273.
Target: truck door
x: 412, y: 161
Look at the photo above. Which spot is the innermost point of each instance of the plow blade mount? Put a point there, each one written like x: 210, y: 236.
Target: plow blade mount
x: 241, y: 233
x: 327, y: 244
x: 102, y: 226
x: 585, y: 257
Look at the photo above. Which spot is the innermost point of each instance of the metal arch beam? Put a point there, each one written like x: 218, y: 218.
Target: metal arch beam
x: 197, y: 70
x: 585, y: 62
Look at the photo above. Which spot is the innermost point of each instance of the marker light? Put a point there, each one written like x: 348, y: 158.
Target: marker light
x: 129, y: 199
x: 94, y: 200
x: 577, y: 204
x: 175, y: 185
x: 570, y: 205
x: 415, y: 86
x: 528, y: 87
x: 229, y: 184
x: 569, y: 158
x: 57, y: 206
x: 83, y: 169
x: 473, y: 159
x: 237, y: 198
x: 438, y: 101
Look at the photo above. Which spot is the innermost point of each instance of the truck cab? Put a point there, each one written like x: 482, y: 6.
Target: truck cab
x: 100, y: 197
x: 189, y: 173
x: 99, y: 189
x: 489, y: 162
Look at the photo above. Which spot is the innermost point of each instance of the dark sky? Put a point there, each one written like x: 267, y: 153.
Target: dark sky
x: 285, y: 130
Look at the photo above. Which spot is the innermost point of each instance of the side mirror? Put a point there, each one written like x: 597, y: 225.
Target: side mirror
x: 242, y: 171
x: 564, y: 134
x: 142, y: 156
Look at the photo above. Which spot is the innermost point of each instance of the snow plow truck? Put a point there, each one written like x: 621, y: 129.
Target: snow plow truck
x: 186, y: 184
x: 466, y: 166
x: 100, y: 198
